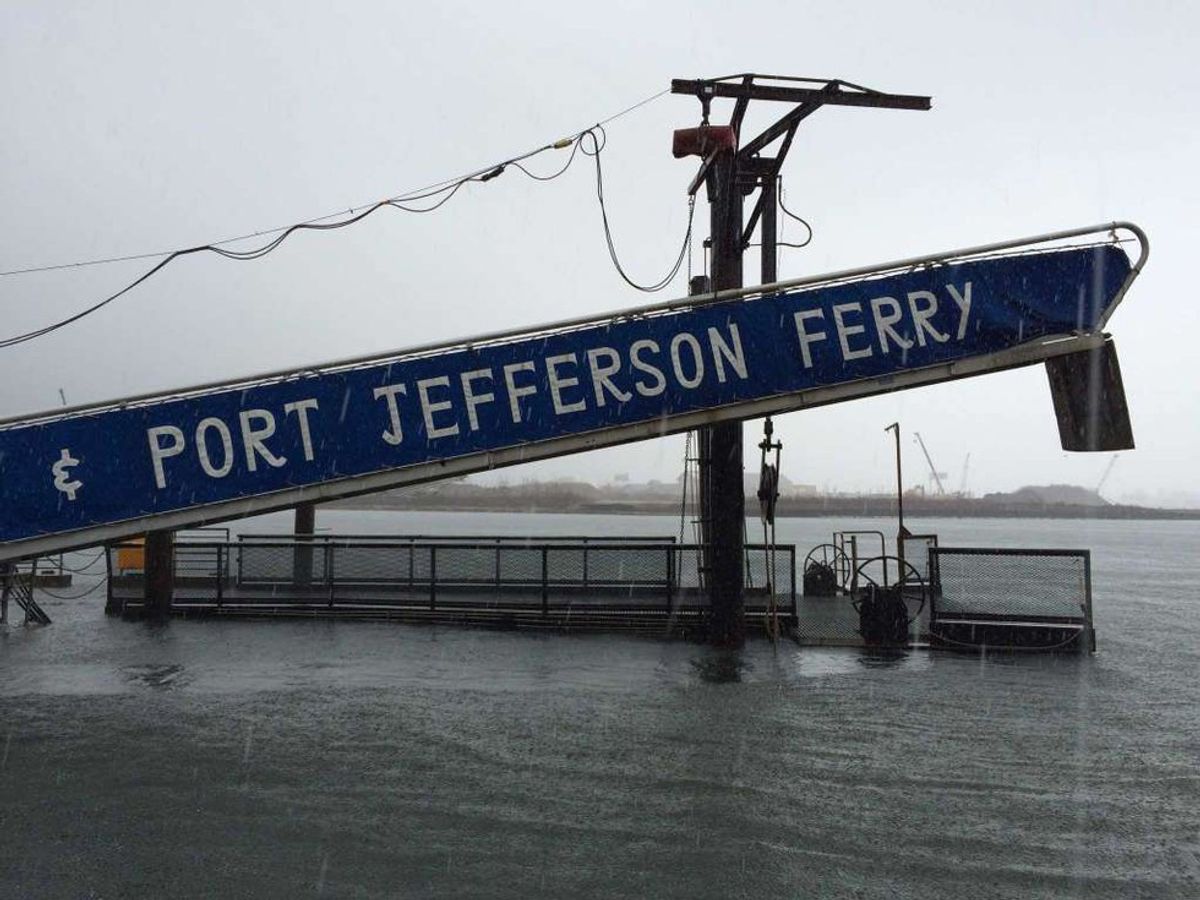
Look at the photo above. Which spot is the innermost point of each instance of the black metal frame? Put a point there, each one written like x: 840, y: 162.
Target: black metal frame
x: 1086, y: 621
x: 206, y: 567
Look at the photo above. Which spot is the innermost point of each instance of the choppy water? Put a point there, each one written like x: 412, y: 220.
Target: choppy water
x: 377, y: 760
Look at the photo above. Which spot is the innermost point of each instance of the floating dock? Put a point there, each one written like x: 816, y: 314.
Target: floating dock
x: 952, y: 598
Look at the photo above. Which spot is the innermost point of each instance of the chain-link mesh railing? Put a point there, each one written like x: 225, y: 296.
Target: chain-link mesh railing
x: 1032, y: 584
x: 771, y: 578
x: 489, y: 573
x: 1012, y: 599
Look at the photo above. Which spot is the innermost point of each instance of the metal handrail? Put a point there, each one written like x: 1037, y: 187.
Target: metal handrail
x: 441, y: 538
x: 666, y: 577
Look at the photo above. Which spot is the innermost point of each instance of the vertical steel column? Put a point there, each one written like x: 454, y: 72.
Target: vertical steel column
x: 901, y: 532
x: 670, y: 579
x: 330, y: 570
x: 302, y: 555
x: 770, y: 247
x: 432, y: 577
x: 1087, y: 587
x: 726, y: 496
x: 6, y: 569
x: 700, y: 284
x: 159, y: 581
x: 220, y: 575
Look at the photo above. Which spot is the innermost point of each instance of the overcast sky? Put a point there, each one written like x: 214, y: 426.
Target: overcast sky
x: 133, y: 127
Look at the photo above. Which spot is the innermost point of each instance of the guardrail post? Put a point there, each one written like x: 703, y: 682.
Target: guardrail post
x: 220, y: 575
x: 110, y: 600
x: 432, y: 577
x: 853, y: 566
x: 329, y: 570
x: 795, y: 608
x: 545, y: 581
x: 670, y: 579
x: 1087, y: 587
x: 6, y: 569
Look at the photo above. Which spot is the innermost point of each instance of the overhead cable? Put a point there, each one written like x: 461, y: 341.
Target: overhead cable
x: 790, y: 214
x: 408, y: 195
x: 598, y: 145
x: 442, y: 190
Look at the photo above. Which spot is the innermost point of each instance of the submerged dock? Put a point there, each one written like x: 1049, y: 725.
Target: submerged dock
x: 953, y: 598
x: 570, y: 582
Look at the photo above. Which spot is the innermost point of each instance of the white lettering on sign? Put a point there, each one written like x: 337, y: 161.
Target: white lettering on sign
x: 724, y: 353
x: 226, y: 466
x: 301, y: 408
x: 805, y: 337
x: 213, y: 441
x: 885, y: 323
x: 557, y: 383
x: 254, y: 440
x: 61, y: 470
x: 697, y: 362
x: 918, y: 322
x: 516, y: 393
x: 602, y: 374
x: 429, y: 407
x: 394, y: 435
x: 455, y: 403
x: 474, y: 401
x: 964, y: 306
x: 846, y: 331
x: 924, y: 305
x: 160, y: 451
x: 660, y: 382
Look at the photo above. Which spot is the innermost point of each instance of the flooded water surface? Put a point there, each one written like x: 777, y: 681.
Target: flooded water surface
x: 360, y: 759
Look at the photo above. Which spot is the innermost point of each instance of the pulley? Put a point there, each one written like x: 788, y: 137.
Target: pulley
x: 768, y: 474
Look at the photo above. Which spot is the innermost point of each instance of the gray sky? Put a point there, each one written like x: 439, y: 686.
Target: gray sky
x: 134, y: 127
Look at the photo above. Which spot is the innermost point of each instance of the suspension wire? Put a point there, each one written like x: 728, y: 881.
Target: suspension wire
x: 406, y: 195
x: 83, y: 570
x: 439, y: 192
x: 95, y: 587
x: 599, y: 141
x: 790, y: 214
x: 258, y: 252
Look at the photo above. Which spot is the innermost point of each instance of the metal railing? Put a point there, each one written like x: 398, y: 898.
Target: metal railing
x: 851, y: 551
x: 499, y: 572
x: 1017, y: 588
x: 326, y: 537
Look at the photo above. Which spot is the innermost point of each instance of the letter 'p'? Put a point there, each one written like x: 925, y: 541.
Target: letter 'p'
x: 160, y: 451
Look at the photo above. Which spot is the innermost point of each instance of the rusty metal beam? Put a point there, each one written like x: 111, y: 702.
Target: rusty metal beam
x: 834, y: 93
x: 788, y: 123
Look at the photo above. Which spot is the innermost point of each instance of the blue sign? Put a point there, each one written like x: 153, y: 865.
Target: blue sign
x: 107, y: 466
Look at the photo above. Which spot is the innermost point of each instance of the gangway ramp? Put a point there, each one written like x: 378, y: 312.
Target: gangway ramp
x: 89, y: 475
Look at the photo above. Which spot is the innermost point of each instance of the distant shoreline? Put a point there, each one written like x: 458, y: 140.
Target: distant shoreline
x: 788, y: 507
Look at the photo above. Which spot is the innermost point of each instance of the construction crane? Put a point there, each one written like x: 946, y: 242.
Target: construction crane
x: 937, y: 476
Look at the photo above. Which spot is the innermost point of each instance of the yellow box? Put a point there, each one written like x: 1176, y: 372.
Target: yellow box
x: 132, y: 556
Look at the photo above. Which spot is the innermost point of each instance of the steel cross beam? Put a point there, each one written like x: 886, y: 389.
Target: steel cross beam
x: 835, y: 91
x: 812, y: 96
